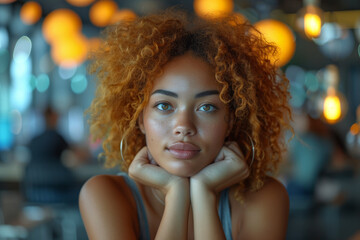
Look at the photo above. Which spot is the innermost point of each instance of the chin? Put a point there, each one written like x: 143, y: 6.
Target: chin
x: 182, y: 171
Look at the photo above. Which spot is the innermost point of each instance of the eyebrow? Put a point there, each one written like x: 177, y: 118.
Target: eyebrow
x: 198, y: 95
x: 207, y: 93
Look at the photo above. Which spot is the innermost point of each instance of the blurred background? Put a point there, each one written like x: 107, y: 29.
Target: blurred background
x: 45, y: 148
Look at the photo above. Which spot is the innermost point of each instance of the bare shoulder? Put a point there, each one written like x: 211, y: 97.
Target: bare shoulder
x: 272, y: 192
x: 265, y: 212
x: 107, y: 208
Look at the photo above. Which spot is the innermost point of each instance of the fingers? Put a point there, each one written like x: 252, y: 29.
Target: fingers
x: 235, y: 148
x: 144, y: 172
x: 228, y: 168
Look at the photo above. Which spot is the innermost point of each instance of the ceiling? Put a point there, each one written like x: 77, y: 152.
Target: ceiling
x: 261, y: 8
x: 146, y: 6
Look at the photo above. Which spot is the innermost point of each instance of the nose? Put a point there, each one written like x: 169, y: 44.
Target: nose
x: 184, y: 124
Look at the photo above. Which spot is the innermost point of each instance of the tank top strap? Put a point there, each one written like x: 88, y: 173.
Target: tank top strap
x: 141, y: 213
x: 225, y: 213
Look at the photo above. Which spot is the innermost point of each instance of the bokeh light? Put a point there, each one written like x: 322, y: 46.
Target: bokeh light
x: 280, y: 34
x: 334, y: 106
x: 102, y: 12
x: 30, y: 12
x: 66, y: 73
x: 312, y: 82
x: 6, y: 138
x: 309, y: 21
x: 337, y: 43
x: 355, y: 129
x: 312, y: 25
x: 61, y: 23
x: 42, y: 82
x: 20, y: 90
x: 70, y: 51
x: 80, y: 3
x: 213, y: 8
x: 353, y: 136
x: 79, y: 83
x: 22, y: 49
x: 76, y: 123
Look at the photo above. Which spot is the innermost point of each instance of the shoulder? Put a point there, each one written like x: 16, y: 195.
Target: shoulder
x: 107, y: 207
x: 273, y: 192
x: 265, y: 212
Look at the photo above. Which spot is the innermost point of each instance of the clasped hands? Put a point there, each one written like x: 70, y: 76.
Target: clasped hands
x: 228, y: 168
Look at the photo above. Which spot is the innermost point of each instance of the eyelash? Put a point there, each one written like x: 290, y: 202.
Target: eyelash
x: 213, y: 108
x: 160, y: 106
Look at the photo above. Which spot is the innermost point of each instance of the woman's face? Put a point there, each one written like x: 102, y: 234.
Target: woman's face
x: 185, y: 123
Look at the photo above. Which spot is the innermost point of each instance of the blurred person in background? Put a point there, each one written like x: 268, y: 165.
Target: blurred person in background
x: 337, y: 192
x: 309, y: 153
x: 46, y: 178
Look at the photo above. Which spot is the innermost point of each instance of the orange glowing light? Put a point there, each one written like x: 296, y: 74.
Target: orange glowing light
x: 69, y: 51
x: 123, y: 15
x: 355, y: 129
x: 312, y: 25
x: 309, y: 21
x: 213, y: 8
x: 332, y: 106
x: 61, y: 23
x: 30, y: 12
x: 281, y: 35
x: 102, y: 12
x: 80, y: 3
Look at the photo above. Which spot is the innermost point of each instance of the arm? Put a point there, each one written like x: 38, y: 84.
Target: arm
x: 107, y: 210
x: 174, y: 221
x: 207, y: 224
x: 228, y: 169
x: 266, y: 213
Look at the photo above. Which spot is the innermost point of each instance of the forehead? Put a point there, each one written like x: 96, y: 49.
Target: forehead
x: 186, y: 73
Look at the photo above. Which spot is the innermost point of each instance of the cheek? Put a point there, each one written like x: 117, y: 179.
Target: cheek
x: 216, y: 131
x: 155, y: 131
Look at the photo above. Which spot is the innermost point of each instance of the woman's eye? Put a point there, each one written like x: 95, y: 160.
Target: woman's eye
x: 163, y: 106
x: 207, y: 108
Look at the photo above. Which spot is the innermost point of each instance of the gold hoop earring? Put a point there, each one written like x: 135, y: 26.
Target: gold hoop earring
x: 252, y: 149
x: 121, y: 149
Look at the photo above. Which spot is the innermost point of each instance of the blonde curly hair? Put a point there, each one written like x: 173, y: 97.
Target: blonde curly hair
x: 133, y: 55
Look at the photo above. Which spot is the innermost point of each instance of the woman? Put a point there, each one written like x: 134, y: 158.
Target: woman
x: 194, y: 111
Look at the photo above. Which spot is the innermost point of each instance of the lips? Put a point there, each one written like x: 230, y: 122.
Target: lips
x: 182, y: 150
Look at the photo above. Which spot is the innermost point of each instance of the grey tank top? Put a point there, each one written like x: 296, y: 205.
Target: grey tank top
x: 223, y: 210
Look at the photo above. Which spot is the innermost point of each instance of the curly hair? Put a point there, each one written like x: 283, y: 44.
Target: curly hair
x: 133, y: 55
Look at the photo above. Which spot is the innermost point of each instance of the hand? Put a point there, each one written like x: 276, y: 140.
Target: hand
x: 228, y: 168
x: 145, y: 170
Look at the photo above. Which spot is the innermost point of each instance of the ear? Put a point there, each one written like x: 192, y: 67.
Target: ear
x: 140, y: 121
